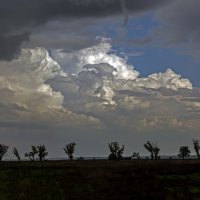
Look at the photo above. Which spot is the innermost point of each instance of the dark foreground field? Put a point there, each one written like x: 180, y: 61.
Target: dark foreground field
x: 60, y: 180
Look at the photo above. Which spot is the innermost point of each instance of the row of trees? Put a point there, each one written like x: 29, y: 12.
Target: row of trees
x: 37, y: 152
x: 116, y: 152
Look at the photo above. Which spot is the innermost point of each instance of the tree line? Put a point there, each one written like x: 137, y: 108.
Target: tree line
x: 116, y: 151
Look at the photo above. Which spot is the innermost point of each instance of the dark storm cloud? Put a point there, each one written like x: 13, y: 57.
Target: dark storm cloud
x: 19, y: 17
x: 180, y: 24
x: 10, y: 45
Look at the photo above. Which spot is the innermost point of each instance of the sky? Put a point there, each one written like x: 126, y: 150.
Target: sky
x: 98, y: 71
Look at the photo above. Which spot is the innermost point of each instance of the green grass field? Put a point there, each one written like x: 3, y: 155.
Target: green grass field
x: 79, y: 180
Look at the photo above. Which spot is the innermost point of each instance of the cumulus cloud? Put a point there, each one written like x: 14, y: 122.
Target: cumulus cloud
x: 97, y: 54
x: 100, y: 60
x: 107, y: 87
x: 102, y: 97
x: 102, y: 89
x: 26, y: 98
x: 168, y: 79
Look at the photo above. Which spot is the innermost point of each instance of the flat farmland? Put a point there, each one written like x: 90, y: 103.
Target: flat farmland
x: 100, y: 179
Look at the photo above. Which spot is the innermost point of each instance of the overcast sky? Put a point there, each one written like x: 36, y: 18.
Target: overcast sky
x: 97, y: 71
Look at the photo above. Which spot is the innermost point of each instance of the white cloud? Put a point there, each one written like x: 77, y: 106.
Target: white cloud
x: 102, y: 89
x: 97, y: 54
x: 171, y: 80
x: 106, y: 63
x: 94, y: 103
x: 133, y: 102
x: 24, y: 84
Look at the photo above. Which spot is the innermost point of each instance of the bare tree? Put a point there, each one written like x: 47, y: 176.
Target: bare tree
x: 196, y: 147
x: 148, y: 146
x: 116, y: 151
x: 153, y: 149
x: 184, y: 152
x: 156, y: 151
x: 31, y: 155
x: 42, y: 152
x: 69, y: 150
x: 3, y: 151
x: 16, y: 153
x: 136, y: 155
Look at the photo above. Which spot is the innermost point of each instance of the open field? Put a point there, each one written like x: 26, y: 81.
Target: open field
x: 79, y: 180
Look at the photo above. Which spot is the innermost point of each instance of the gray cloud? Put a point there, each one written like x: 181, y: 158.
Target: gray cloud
x: 35, y: 88
x: 20, y: 17
x: 27, y: 99
x: 179, y: 25
x: 10, y: 45
x: 104, y: 86
x: 103, y: 99
x: 175, y: 25
x: 59, y: 34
